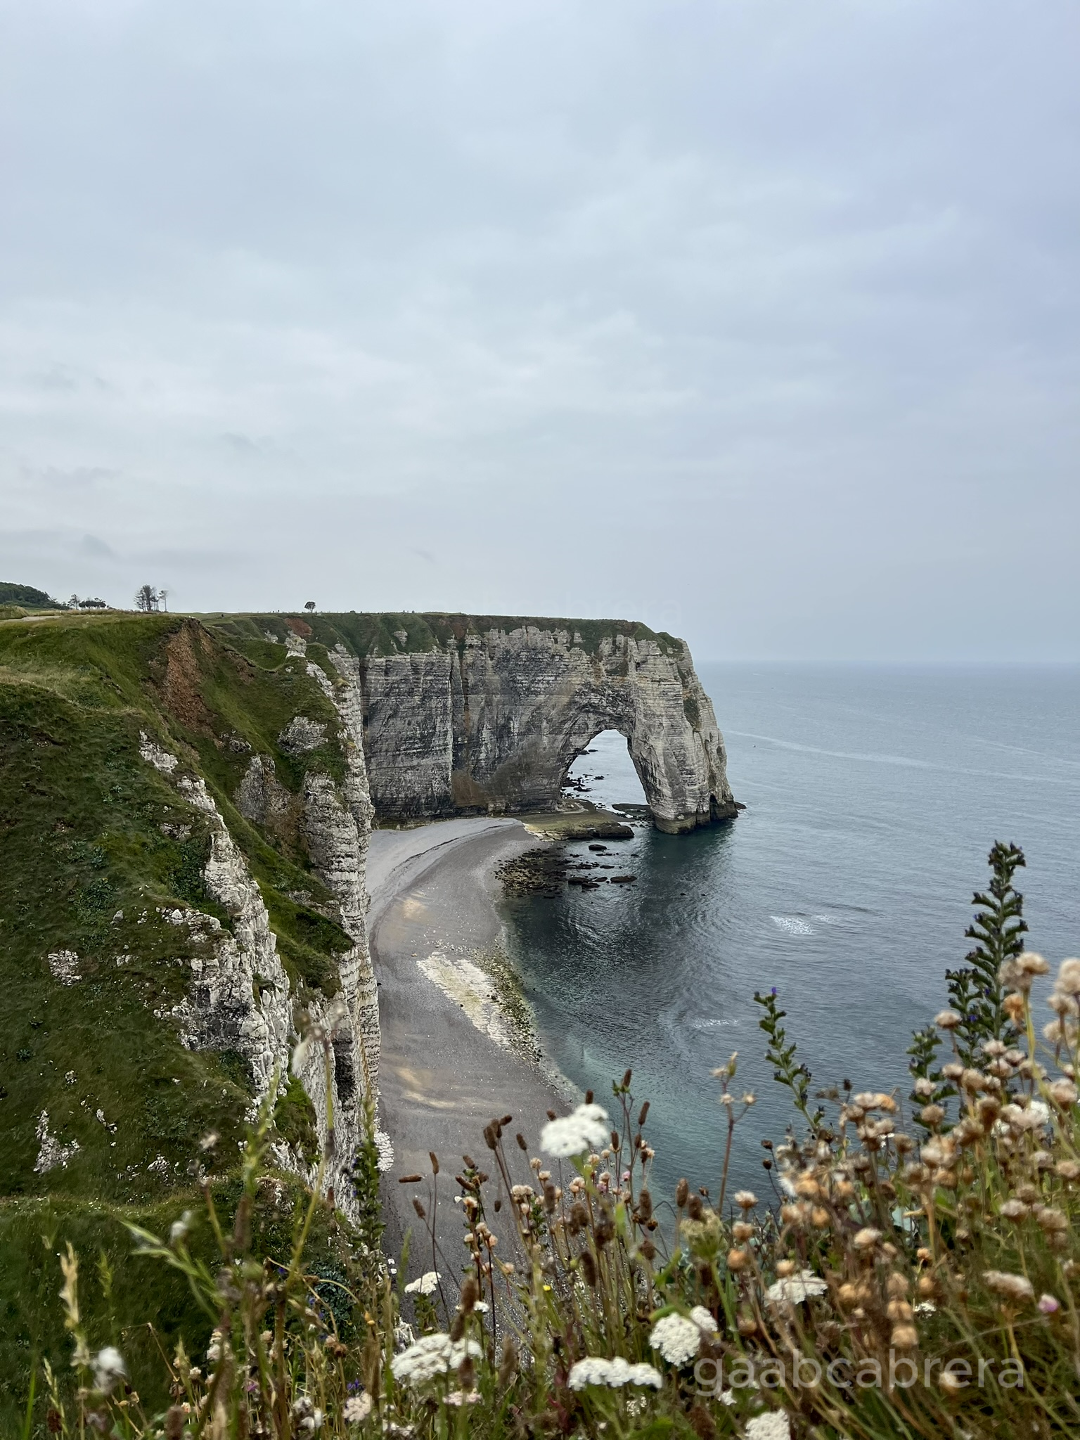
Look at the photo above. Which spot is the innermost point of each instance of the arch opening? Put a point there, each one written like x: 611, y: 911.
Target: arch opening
x: 604, y: 773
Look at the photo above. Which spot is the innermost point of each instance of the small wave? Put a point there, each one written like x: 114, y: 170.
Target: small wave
x: 792, y: 924
x: 712, y: 1024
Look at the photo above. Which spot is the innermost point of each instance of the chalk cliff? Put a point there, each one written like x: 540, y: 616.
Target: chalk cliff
x: 471, y: 714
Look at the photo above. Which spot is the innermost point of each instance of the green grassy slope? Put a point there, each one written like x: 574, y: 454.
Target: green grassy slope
x: 370, y: 633
x: 94, y: 846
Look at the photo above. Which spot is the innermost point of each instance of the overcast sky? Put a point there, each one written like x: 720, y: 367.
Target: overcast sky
x: 757, y: 321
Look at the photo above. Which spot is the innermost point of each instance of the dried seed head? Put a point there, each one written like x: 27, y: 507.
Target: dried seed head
x: 1014, y: 1006
x: 947, y: 1020
x: 470, y: 1293
x: 904, y: 1337
x: 434, y: 1162
x: 682, y: 1191
x: 1012, y: 1287
x: 509, y: 1363
x: 737, y: 1260
x: 745, y: 1199
x: 587, y: 1266
x: 742, y: 1231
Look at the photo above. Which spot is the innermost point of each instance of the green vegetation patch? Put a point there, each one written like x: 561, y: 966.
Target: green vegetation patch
x: 12, y: 594
x: 123, y: 1293
x: 394, y: 633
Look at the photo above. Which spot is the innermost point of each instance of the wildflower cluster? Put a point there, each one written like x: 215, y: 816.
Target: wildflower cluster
x: 914, y: 1270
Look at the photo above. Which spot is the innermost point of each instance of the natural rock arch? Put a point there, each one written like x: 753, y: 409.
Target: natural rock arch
x: 491, y: 716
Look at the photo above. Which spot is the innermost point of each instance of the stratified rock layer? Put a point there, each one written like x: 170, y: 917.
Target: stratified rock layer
x: 491, y: 716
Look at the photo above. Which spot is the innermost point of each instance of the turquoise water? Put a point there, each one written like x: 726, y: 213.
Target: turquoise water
x: 873, y: 795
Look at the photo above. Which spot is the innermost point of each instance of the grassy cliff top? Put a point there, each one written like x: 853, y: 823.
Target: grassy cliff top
x: 390, y: 633
x: 97, y: 848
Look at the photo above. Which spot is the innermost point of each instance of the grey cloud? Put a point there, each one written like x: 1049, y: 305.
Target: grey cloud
x: 758, y: 322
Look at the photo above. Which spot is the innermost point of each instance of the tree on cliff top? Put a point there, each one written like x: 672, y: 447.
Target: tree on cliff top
x: 146, y: 598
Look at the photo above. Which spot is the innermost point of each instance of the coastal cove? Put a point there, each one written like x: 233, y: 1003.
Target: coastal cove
x: 873, y: 795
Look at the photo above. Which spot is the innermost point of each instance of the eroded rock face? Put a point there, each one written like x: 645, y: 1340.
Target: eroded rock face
x: 239, y: 997
x: 492, y: 720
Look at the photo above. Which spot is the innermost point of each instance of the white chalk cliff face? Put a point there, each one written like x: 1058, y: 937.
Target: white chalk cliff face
x: 240, y: 996
x: 494, y: 720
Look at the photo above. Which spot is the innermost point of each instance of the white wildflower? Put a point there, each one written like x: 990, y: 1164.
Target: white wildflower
x: 703, y: 1319
x: 109, y: 1367
x: 425, y: 1285
x: 357, y: 1408
x: 586, y: 1128
x: 595, y: 1370
x: 179, y: 1228
x: 926, y: 1307
x: 1033, y: 1116
x: 677, y: 1339
x: 432, y: 1355
x: 773, y: 1425
x: 794, y: 1289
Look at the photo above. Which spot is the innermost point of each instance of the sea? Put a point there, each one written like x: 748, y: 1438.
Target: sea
x: 872, y: 795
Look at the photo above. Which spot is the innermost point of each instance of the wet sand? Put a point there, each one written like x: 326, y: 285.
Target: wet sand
x: 442, y: 1074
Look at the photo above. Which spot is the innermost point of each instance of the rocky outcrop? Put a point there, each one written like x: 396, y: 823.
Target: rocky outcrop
x: 239, y: 998
x: 491, y: 716
x: 239, y: 995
